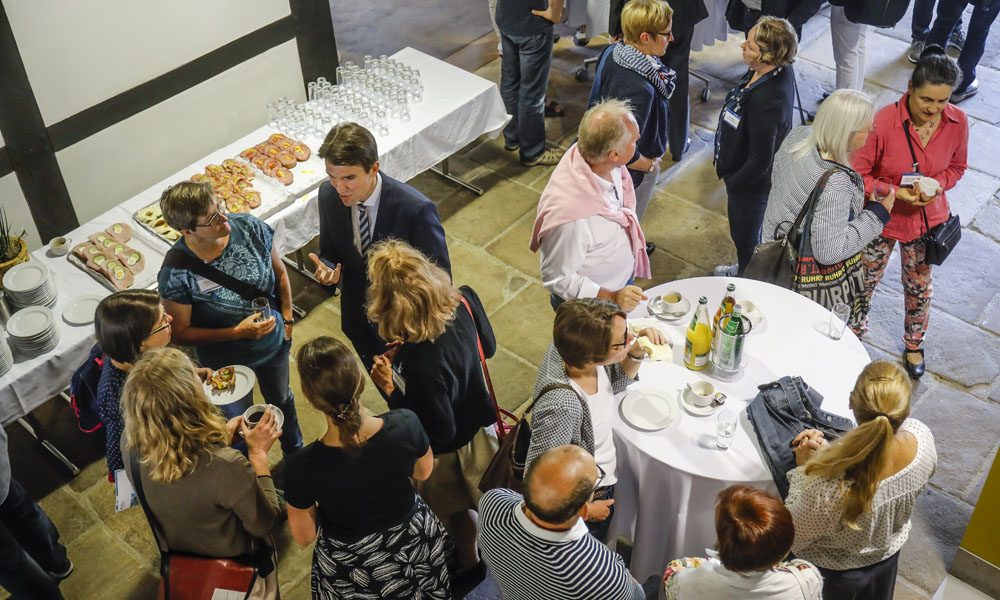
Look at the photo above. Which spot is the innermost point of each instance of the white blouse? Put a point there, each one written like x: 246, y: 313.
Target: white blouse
x: 816, y: 504
x: 707, y: 578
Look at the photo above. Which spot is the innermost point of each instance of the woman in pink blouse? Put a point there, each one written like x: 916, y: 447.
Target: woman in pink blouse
x: 920, y: 134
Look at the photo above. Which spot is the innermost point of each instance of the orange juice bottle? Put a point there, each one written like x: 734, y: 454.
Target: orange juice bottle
x: 699, y: 338
x: 726, y: 307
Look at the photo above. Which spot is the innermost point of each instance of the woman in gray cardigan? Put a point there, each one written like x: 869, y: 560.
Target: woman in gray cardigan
x: 592, y: 358
x: 844, y: 223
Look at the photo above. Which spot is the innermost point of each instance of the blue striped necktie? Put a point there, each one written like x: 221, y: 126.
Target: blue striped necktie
x: 363, y: 228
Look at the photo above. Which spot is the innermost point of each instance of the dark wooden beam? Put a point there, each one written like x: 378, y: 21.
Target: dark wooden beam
x: 315, y: 38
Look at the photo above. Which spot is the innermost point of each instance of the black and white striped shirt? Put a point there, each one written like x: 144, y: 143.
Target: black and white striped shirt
x: 530, y: 563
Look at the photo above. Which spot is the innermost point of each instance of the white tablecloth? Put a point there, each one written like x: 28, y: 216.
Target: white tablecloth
x: 668, y: 480
x: 458, y: 107
x: 713, y: 27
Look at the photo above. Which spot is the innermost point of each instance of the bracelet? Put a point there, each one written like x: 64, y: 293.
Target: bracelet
x: 289, y: 321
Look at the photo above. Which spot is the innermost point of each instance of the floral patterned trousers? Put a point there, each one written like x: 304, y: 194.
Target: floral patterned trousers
x: 917, y: 289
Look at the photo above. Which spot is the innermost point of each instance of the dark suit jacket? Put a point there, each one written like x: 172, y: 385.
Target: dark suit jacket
x: 404, y: 214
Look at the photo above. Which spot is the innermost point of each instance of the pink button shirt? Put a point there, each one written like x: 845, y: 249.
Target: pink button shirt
x: 886, y: 154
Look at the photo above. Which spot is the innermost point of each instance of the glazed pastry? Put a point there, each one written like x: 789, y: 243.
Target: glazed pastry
x: 248, y: 154
x: 285, y: 144
x: 301, y: 151
x: 199, y: 178
x: 132, y: 259
x: 276, y: 137
x: 172, y: 235
x: 272, y: 150
x: 283, y: 175
x: 259, y: 160
x: 235, y: 204
x: 150, y: 213
x: 252, y: 198
x: 120, y: 232
x: 287, y: 159
x: 261, y: 148
x: 270, y: 165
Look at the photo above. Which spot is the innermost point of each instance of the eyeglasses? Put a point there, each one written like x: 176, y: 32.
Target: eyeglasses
x: 625, y: 339
x: 165, y: 324
x: 667, y: 34
x: 212, y: 218
x: 600, y: 477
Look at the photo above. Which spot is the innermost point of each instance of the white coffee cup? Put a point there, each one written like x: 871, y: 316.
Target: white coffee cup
x: 929, y: 186
x: 256, y: 412
x: 700, y: 393
x: 59, y: 245
x: 671, y: 301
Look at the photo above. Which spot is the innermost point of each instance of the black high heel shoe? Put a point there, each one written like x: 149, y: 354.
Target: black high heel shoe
x: 916, y: 371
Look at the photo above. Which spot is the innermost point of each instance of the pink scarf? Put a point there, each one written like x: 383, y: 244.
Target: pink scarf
x: 573, y: 193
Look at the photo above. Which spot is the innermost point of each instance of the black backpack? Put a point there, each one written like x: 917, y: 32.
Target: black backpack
x: 83, y: 391
x: 878, y: 13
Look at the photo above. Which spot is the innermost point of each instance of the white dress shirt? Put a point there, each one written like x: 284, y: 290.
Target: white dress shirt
x: 580, y: 257
x: 372, y: 205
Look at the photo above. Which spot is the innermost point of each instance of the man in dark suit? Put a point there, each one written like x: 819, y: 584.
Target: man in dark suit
x: 359, y: 207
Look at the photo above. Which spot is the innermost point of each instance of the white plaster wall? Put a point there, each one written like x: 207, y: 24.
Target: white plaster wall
x: 115, y: 164
x: 16, y: 208
x: 80, y: 53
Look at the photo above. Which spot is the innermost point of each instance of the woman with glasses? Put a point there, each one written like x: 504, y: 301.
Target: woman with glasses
x: 219, y: 321
x: 755, y: 118
x: 127, y: 323
x: 593, y: 356
x: 631, y: 70
x: 843, y: 221
x: 919, y: 134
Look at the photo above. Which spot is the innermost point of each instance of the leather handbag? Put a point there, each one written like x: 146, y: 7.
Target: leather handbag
x: 188, y: 576
x: 940, y: 240
x: 503, y: 426
x: 776, y: 262
x: 506, y: 470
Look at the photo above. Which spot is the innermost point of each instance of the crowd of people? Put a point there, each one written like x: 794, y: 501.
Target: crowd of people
x: 393, y: 501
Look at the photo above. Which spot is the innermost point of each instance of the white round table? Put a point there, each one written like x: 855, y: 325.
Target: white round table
x: 668, y: 480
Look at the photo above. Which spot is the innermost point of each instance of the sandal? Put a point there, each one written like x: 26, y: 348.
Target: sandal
x: 554, y: 109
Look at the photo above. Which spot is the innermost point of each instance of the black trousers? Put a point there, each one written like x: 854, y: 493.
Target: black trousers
x: 874, y: 582
x: 29, y: 548
x: 678, y: 58
x: 746, y: 216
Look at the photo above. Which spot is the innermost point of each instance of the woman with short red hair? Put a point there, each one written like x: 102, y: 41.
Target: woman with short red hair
x: 755, y: 534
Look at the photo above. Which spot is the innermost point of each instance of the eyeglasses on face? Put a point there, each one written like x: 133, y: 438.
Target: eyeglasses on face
x: 600, y: 477
x: 625, y: 339
x: 164, y: 324
x: 212, y: 218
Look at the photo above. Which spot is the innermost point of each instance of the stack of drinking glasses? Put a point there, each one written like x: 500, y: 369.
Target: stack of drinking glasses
x: 374, y: 95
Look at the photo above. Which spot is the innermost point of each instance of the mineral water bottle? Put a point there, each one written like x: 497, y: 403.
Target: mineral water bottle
x: 699, y: 338
x: 731, y: 345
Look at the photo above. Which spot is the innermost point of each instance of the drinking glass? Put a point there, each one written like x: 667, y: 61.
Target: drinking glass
x: 882, y: 188
x: 261, y: 308
x: 725, y: 429
x: 838, y: 320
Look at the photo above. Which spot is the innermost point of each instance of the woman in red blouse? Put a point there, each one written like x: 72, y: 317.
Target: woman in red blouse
x: 938, y: 134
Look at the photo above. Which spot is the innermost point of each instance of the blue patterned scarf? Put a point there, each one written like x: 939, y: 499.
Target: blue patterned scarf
x: 662, y: 78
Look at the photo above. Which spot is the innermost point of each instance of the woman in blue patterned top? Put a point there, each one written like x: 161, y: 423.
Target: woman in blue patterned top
x: 127, y: 323
x: 218, y: 321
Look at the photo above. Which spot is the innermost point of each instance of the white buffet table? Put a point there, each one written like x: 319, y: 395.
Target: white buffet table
x: 668, y: 480
x: 457, y: 107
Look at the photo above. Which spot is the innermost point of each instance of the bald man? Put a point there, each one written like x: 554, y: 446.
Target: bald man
x: 538, y: 546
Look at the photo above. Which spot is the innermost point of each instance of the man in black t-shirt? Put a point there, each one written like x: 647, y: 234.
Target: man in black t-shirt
x: 526, y: 41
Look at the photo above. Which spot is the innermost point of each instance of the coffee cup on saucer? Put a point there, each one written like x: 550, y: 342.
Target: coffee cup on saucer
x: 255, y: 413
x: 672, y: 301
x: 59, y: 246
x: 700, y: 394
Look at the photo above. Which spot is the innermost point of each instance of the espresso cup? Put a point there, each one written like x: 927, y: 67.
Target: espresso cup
x: 700, y: 393
x: 255, y: 413
x: 59, y: 245
x: 671, y: 301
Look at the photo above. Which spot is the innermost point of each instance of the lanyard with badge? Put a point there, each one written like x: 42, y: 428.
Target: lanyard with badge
x: 908, y: 179
x: 732, y: 109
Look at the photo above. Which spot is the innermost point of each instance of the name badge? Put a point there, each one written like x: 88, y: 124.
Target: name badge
x: 731, y: 118
x: 908, y: 179
x: 397, y: 380
x: 206, y: 286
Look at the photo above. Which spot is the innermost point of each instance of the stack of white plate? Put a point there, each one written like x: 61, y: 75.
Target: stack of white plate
x: 6, y: 358
x: 33, y: 331
x: 29, y: 284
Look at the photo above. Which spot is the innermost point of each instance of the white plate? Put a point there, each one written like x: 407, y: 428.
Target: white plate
x: 80, y: 310
x: 31, y: 322
x: 648, y: 409
x: 244, y: 385
x: 698, y: 411
x: 25, y: 277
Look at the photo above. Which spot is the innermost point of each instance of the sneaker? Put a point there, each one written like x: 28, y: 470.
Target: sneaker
x: 916, y: 48
x: 64, y: 573
x: 550, y: 157
x: 971, y: 90
x: 650, y: 248
x: 726, y: 270
x: 957, y: 39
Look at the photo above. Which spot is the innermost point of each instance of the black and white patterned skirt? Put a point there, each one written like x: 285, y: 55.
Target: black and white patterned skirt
x: 408, y: 560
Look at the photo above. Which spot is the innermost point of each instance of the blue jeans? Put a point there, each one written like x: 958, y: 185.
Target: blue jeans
x: 29, y: 548
x: 524, y: 76
x: 923, y: 11
x: 948, y: 14
x: 272, y: 377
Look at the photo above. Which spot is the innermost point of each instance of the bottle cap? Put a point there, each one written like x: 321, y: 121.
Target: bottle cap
x: 703, y: 300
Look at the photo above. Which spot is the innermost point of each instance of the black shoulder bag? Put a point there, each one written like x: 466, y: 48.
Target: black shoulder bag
x: 942, y: 239
x: 189, y: 576
x: 180, y: 259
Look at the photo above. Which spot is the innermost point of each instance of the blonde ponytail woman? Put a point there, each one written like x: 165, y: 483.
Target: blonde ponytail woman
x: 851, y: 499
x: 207, y: 498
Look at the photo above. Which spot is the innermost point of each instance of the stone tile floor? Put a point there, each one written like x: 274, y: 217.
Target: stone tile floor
x: 488, y: 239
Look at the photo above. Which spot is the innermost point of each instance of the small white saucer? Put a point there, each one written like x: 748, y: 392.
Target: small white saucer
x: 80, y: 310
x: 698, y: 411
x: 680, y: 313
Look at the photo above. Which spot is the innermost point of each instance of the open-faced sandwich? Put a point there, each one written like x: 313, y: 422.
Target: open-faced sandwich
x: 121, y: 232
x: 223, y: 379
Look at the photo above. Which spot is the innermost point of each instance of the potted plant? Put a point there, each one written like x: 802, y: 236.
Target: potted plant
x: 13, y: 248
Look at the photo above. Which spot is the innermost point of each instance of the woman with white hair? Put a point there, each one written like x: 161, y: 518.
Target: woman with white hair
x: 843, y: 222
